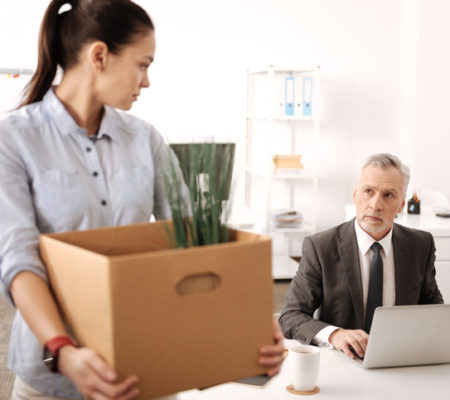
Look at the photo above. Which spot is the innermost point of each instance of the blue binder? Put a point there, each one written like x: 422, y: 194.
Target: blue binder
x: 307, y: 96
x: 289, y: 95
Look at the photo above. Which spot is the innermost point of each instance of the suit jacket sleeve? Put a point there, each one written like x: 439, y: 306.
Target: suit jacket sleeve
x: 429, y: 292
x: 304, y: 297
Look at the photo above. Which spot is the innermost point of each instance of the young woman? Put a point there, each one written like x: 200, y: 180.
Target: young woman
x: 70, y: 160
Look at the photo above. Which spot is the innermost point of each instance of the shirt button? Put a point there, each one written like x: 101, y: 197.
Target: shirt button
x: 95, y: 174
x: 104, y: 203
x: 88, y: 149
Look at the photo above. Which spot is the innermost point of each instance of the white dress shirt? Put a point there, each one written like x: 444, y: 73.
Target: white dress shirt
x: 365, y: 242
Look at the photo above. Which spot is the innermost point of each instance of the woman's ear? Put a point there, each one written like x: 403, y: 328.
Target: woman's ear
x: 98, y: 55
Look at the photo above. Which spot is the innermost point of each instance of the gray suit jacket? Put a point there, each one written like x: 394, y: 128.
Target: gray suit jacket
x: 329, y: 279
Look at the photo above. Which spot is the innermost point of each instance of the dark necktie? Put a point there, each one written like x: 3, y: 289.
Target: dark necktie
x: 375, y: 294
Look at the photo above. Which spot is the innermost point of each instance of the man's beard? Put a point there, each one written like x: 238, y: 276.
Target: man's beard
x: 372, y: 229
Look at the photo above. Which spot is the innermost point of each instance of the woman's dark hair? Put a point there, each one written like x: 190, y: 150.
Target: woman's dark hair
x: 63, y: 34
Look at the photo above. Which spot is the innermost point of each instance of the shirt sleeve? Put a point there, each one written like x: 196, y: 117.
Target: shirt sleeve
x: 167, y: 172
x: 321, y: 338
x: 19, y: 236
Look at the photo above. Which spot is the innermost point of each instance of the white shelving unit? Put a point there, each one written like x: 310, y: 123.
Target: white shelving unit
x: 12, y: 82
x: 16, y: 71
x: 270, y: 131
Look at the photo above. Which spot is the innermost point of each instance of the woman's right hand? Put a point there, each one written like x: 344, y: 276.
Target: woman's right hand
x: 93, y: 377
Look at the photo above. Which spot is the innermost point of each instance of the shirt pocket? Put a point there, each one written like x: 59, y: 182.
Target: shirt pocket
x: 59, y: 193
x: 133, y: 188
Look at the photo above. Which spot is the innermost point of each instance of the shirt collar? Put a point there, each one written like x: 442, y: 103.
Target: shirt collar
x: 67, y: 125
x: 365, y: 241
x: 107, y: 127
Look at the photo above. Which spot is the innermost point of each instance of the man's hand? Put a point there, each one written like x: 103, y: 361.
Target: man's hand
x: 272, y: 355
x: 350, y: 341
x: 93, y: 377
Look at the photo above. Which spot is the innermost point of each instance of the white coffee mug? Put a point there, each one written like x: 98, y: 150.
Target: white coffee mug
x: 304, y: 367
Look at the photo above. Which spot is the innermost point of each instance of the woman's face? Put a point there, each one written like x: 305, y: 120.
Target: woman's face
x: 126, y: 73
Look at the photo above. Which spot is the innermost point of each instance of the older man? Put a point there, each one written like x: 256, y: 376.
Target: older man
x: 347, y: 271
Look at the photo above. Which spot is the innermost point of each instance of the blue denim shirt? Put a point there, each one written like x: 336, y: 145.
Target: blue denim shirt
x: 54, y: 178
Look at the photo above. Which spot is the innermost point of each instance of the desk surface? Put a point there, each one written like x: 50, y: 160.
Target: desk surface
x: 426, y: 221
x: 342, y: 378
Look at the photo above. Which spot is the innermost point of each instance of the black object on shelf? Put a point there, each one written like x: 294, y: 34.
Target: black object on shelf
x: 414, y: 205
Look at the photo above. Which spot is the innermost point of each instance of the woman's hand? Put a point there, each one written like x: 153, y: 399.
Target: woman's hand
x: 93, y: 377
x: 83, y: 367
x: 272, y: 356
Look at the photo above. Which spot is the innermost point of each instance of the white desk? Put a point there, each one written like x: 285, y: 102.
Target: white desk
x: 342, y: 378
x: 440, y: 229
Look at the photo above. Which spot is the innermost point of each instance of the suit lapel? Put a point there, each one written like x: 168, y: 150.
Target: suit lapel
x: 401, y: 261
x: 349, y: 254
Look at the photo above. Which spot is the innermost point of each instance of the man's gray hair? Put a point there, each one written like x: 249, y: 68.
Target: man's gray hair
x: 384, y: 161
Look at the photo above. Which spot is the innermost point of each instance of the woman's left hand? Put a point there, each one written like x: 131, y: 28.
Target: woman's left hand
x: 272, y: 356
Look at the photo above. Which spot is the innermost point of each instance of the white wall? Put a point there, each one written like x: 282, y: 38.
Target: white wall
x: 383, y: 88
x: 431, y: 163
x: 204, y: 49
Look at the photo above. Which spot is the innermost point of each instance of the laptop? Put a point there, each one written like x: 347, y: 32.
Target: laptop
x: 409, y: 335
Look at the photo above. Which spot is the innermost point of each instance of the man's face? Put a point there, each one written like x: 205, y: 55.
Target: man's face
x: 378, y: 197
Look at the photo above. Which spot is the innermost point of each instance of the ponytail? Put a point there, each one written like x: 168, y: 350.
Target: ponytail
x: 62, y: 35
x: 49, y: 38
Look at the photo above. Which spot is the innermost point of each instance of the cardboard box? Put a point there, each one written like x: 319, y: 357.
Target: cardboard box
x: 287, y: 162
x: 177, y: 318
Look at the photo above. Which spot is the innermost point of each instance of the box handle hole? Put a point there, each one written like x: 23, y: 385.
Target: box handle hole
x: 198, y: 283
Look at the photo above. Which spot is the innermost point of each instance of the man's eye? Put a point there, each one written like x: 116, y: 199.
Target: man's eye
x: 388, y: 195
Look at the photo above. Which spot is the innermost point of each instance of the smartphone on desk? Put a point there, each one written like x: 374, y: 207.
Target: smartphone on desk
x: 260, y: 380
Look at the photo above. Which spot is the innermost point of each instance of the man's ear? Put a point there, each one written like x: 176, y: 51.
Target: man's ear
x: 401, y: 207
x: 98, y: 55
x: 354, y: 193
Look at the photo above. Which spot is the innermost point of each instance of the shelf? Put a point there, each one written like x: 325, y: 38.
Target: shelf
x: 283, y: 267
x: 303, y: 229
x: 299, y: 177
x: 241, y: 226
x: 281, y: 70
x: 277, y: 176
x: 16, y: 71
x: 282, y: 117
